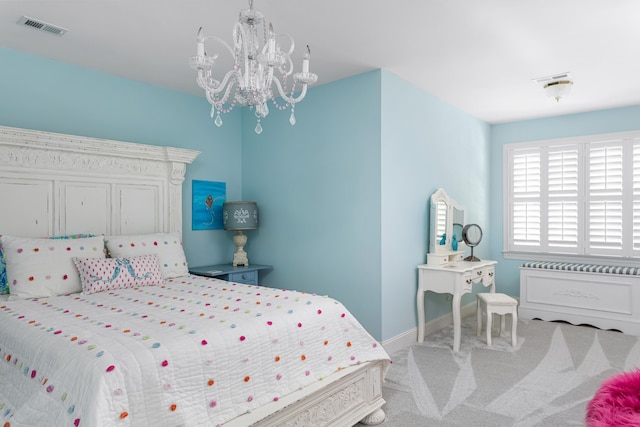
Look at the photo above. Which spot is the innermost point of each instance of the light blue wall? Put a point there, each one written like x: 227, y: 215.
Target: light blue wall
x: 605, y: 121
x: 37, y: 93
x: 426, y: 144
x: 343, y: 194
x: 317, y: 185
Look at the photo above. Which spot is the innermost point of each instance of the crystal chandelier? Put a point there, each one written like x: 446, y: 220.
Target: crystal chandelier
x: 259, y: 65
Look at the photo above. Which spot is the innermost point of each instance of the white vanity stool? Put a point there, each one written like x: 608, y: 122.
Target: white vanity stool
x: 497, y: 303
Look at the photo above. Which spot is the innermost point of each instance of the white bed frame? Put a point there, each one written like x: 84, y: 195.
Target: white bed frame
x: 54, y: 184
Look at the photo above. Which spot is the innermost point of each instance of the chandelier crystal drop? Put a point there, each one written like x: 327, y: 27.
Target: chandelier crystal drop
x: 260, y: 64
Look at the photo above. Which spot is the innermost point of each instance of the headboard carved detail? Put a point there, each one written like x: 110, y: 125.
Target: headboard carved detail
x: 107, y: 186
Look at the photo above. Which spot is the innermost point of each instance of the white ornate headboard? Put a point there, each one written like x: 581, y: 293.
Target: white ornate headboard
x: 54, y: 184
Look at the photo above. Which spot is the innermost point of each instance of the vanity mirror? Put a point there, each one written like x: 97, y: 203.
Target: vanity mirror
x: 446, y: 225
x: 457, y: 219
x: 472, y: 235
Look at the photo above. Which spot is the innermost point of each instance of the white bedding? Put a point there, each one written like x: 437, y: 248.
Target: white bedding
x: 194, y: 352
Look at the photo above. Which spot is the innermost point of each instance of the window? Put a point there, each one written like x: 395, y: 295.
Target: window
x: 575, y: 199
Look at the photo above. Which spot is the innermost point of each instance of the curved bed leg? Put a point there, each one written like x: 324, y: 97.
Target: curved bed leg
x: 376, y: 417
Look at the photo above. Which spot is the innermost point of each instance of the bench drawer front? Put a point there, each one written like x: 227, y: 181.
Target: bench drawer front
x: 585, y: 291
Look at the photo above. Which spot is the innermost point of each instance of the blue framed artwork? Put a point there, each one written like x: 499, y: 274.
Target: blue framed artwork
x: 207, y: 198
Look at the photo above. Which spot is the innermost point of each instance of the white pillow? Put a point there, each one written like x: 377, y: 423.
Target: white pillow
x: 107, y: 274
x: 44, y: 267
x: 167, y: 246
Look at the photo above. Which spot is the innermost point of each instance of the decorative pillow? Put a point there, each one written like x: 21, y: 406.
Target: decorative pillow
x: 106, y: 274
x: 166, y: 245
x: 4, y: 289
x: 44, y: 267
x: 71, y: 236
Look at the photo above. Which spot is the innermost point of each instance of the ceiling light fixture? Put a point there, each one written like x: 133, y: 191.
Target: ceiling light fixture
x: 556, y: 86
x: 259, y: 64
x: 559, y: 89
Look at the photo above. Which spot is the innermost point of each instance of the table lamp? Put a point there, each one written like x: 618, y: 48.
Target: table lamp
x: 240, y: 216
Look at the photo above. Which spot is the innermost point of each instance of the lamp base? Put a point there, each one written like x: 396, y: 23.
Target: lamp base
x: 240, y: 256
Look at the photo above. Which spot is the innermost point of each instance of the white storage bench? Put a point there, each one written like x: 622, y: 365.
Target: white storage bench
x: 607, y: 297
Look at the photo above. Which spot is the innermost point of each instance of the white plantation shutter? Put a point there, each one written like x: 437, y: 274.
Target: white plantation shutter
x: 526, y: 198
x: 574, y: 197
x: 605, y: 198
x: 636, y: 199
x: 562, y: 185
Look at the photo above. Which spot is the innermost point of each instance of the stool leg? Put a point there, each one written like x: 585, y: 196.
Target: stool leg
x: 489, y: 320
x: 502, y: 323
x: 478, y: 317
x: 514, y: 323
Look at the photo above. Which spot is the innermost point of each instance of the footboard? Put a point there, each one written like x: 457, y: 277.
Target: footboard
x: 607, y: 297
x: 351, y: 395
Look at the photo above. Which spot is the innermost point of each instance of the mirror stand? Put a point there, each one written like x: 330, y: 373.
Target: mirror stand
x: 471, y: 257
x: 472, y: 235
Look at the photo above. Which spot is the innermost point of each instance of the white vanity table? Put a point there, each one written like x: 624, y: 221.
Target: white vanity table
x: 446, y: 270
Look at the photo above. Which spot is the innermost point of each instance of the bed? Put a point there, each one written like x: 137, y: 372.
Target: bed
x: 133, y: 339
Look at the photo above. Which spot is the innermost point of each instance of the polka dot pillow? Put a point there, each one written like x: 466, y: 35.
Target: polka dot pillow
x: 106, y: 274
x: 44, y: 267
x: 4, y: 288
x: 167, y: 246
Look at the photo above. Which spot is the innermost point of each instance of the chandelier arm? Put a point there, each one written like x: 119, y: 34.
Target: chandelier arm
x: 223, y: 84
x: 289, y: 69
x: 303, y: 93
x: 270, y: 76
x: 222, y: 42
x: 290, y: 99
x: 287, y: 55
x: 227, y: 87
x: 211, y: 95
x: 292, y: 43
x: 201, y: 79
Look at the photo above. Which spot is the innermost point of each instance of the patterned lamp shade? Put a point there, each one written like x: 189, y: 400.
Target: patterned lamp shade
x: 240, y: 215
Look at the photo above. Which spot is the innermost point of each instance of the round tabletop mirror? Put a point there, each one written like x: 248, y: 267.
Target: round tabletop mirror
x: 472, y: 235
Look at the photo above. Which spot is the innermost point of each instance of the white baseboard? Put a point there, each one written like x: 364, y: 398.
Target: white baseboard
x: 405, y: 339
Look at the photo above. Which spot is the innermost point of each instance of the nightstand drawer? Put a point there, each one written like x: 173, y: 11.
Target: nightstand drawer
x: 246, y: 277
x: 248, y: 274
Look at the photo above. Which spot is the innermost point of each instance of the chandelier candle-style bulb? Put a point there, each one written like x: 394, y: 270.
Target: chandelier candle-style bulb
x: 272, y: 39
x: 305, y: 61
x: 200, y: 44
x: 262, y: 69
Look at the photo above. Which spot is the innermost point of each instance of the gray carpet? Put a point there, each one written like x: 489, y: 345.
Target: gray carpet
x: 546, y: 380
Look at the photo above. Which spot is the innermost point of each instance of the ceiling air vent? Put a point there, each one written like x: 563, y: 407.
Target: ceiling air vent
x: 42, y: 26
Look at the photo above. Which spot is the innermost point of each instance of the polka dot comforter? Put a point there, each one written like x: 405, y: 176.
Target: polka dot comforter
x: 195, y: 351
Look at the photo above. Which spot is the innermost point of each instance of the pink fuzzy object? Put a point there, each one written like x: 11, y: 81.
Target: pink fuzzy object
x: 617, y: 402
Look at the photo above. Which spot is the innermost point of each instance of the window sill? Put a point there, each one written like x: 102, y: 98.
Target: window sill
x: 604, y: 260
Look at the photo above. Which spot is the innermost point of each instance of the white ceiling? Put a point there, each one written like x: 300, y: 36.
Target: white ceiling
x: 479, y: 55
